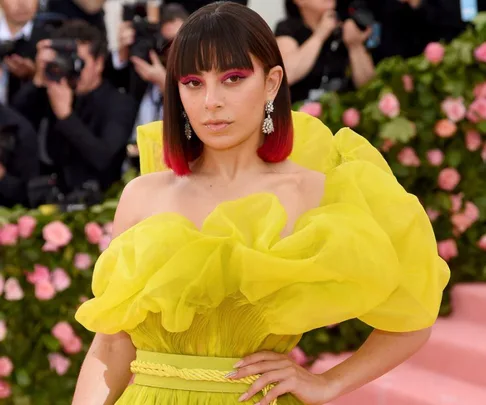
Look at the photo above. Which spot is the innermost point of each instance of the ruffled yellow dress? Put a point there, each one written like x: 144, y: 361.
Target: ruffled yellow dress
x: 194, y: 301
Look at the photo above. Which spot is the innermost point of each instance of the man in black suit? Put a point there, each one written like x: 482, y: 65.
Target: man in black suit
x: 193, y: 5
x: 82, y: 132
x: 18, y: 157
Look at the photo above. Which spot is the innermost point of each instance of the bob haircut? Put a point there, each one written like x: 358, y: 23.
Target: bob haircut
x: 222, y: 36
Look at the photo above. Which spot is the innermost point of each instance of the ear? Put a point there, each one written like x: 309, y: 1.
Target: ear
x: 273, y: 82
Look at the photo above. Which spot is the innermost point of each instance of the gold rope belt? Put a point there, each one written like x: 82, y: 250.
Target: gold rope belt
x: 189, y: 373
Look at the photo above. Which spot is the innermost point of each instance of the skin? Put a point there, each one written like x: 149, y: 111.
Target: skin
x: 60, y: 94
x: 17, y: 14
x: 226, y: 111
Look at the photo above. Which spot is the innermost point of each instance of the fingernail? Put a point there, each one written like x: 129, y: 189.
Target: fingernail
x: 239, y: 364
x: 244, y: 397
x: 229, y: 375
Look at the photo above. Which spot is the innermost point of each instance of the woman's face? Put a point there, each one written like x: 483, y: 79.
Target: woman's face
x: 226, y: 109
x: 317, y: 6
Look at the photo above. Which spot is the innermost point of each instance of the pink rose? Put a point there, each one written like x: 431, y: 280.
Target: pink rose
x: 6, y: 366
x: 40, y: 273
x: 454, y: 108
x: 9, y: 235
x: 27, y: 225
x: 82, y: 261
x: 445, y: 128
x: 482, y: 242
x: 63, y: 332
x: 73, y: 345
x: 408, y: 84
x: 471, y: 211
x: 447, y: 249
x: 456, y: 202
x: 313, y: 108
x: 5, y: 390
x: 3, y: 330
x: 483, y: 153
x: 44, y: 290
x: 435, y: 157
x: 57, y: 234
x: 13, y: 290
x: 434, y: 52
x: 60, y: 280
x: 473, y: 140
x: 351, y: 117
x: 108, y: 228
x: 432, y: 214
x: 50, y: 247
x: 461, y: 222
x: 477, y: 110
x: 93, y: 232
x: 104, y: 243
x: 387, y: 145
x: 298, y: 356
x: 448, y: 179
x: 480, y: 90
x: 408, y: 157
x: 59, y: 363
x: 389, y: 105
x: 83, y: 299
x: 480, y: 53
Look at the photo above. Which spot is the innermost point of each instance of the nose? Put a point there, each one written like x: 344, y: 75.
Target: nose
x: 214, y: 99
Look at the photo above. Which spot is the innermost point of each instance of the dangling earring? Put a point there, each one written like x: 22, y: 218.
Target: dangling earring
x: 187, y: 126
x: 268, y: 127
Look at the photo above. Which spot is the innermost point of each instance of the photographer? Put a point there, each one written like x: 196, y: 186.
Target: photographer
x: 193, y: 5
x: 90, y: 11
x: 17, y: 45
x: 319, y: 50
x: 18, y: 157
x: 82, y: 132
x: 140, y: 71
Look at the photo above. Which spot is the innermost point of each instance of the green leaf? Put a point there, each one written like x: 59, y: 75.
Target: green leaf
x: 454, y: 157
x: 51, y: 343
x: 399, y: 130
x: 482, y: 127
x: 23, y: 378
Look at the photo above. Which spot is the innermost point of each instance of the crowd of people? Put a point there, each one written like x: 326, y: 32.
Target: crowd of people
x: 69, y: 106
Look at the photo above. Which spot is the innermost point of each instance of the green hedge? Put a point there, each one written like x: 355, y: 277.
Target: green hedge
x: 41, y: 346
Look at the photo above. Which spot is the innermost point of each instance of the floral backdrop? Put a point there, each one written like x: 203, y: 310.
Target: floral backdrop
x: 426, y: 114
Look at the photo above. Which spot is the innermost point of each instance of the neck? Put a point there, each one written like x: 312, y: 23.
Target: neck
x: 232, y: 164
x: 310, y: 18
x: 96, y: 83
x: 14, y: 28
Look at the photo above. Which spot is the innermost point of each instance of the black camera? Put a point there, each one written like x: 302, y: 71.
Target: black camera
x: 362, y: 16
x: 8, y: 143
x: 67, y: 63
x: 147, y: 34
x: 11, y: 47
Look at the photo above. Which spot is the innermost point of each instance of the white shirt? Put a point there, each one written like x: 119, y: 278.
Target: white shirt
x: 151, y: 106
x: 6, y: 35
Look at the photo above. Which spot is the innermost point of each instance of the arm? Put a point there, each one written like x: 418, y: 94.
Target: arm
x: 105, y: 373
x: 382, y: 352
x: 99, y: 151
x: 362, y: 66
x: 90, y: 6
x: 31, y: 101
x: 299, y: 60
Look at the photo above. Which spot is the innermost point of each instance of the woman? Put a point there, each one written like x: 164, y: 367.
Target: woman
x: 318, y: 59
x: 220, y: 264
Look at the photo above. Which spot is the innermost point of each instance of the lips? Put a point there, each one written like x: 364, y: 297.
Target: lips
x: 217, y: 125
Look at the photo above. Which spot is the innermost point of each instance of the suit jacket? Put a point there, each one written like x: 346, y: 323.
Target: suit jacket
x: 88, y: 145
x: 23, y: 164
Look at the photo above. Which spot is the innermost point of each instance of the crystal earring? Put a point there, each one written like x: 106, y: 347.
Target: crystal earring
x: 187, y: 126
x: 268, y: 127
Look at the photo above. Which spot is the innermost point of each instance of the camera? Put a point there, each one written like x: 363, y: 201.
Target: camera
x: 361, y: 14
x: 8, y: 143
x: 147, y: 34
x: 10, y: 47
x: 67, y: 63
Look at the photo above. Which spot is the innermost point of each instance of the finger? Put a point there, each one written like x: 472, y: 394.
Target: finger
x: 261, y: 368
x: 259, y: 356
x: 45, y: 43
x: 154, y: 58
x: 265, y: 380
x: 283, y: 388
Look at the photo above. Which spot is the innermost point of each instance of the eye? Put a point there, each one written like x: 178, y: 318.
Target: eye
x: 233, y: 79
x: 192, y: 84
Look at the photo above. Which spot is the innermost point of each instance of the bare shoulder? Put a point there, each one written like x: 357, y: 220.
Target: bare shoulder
x: 137, y: 199
x: 309, y: 182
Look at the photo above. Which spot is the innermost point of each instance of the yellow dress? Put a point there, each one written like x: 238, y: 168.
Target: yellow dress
x: 194, y: 301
